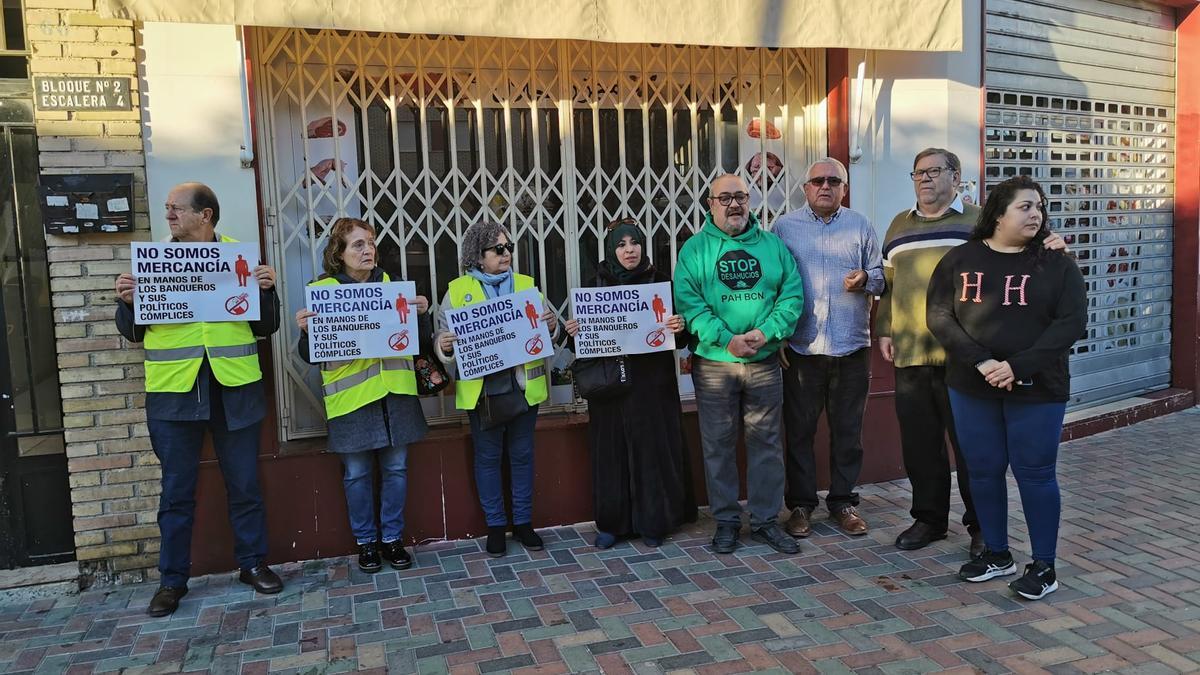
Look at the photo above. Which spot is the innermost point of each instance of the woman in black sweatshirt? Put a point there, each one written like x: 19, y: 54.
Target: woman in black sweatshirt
x: 1007, y: 311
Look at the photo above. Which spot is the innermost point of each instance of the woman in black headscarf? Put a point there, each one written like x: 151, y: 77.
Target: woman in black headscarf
x: 641, y: 478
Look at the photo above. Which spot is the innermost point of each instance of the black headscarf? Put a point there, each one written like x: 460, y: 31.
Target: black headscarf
x: 612, y: 269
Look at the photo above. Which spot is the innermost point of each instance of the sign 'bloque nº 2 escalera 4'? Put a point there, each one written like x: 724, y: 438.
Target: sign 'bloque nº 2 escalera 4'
x: 76, y: 93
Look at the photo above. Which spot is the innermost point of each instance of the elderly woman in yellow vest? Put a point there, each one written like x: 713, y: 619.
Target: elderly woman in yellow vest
x: 486, y: 258
x: 372, y: 407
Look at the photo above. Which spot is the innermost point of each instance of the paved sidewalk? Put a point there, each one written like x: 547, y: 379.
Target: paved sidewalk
x: 1129, y: 598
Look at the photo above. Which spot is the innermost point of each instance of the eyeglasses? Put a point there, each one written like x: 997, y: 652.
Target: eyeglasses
x: 499, y: 249
x: 818, y: 181
x: 724, y: 199
x: 173, y: 208
x: 932, y: 172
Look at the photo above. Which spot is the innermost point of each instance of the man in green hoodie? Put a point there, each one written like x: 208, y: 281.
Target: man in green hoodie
x: 738, y: 288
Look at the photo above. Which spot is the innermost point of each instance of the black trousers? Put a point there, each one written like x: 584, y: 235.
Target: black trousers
x: 838, y: 386
x: 923, y: 409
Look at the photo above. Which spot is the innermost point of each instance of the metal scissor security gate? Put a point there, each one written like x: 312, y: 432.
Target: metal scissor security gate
x: 422, y: 136
x: 1081, y: 96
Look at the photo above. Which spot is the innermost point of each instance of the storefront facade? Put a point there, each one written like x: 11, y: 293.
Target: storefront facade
x: 297, y: 120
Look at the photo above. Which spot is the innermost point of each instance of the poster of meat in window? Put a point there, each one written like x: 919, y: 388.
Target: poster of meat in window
x: 331, y: 152
x: 622, y: 319
x: 362, y: 321
x: 325, y: 149
x: 500, y: 333
x: 764, y: 152
x: 184, y: 282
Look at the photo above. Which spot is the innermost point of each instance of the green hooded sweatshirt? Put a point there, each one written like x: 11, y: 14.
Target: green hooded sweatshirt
x: 726, y: 286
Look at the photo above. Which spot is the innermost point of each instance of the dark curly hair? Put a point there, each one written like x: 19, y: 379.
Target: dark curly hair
x: 336, y: 246
x: 998, y: 200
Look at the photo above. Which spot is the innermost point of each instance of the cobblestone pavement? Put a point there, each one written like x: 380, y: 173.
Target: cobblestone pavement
x: 1129, y: 598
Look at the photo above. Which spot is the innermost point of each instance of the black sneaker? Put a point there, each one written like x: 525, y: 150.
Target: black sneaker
x: 988, y: 565
x: 397, y: 557
x: 773, y: 535
x: 1038, y: 581
x: 497, y: 540
x: 529, y: 539
x: 368, y: 557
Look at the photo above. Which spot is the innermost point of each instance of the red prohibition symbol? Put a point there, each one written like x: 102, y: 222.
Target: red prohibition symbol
x: 656, y: 337
x: 238, y: 304
x: 533, y: 346
x: 398, y: 341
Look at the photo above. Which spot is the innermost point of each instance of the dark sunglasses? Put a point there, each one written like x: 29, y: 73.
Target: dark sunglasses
x: 499, y: 249
x: 818, y: 181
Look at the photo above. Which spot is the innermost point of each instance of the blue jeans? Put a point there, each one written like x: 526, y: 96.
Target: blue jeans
x: 517, y: 438
x: 997, y: 433
x: 177, y: 445
x: 729, y: 396
x: 358, y: 478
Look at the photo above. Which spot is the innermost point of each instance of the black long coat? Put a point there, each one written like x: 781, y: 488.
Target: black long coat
x: 641, y: 475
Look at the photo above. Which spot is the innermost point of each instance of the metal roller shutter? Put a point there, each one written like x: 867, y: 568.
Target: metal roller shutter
x: 422, y: 135
x: 1081, y: 97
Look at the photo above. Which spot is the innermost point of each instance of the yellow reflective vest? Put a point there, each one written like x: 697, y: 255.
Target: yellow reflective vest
x: 466, y: 290
x: 349, y: 385
x: 174, y: 352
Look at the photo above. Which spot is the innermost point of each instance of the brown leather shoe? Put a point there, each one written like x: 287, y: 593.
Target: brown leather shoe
x: 166, y: 600
x: 262, y: 579
x: 799, y: 524
x: 849, y: 521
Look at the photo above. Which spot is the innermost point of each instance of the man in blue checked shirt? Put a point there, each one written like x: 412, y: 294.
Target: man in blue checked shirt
x: 827, y: 360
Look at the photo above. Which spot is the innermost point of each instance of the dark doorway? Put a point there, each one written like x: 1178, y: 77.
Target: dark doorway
x: 35, y: 502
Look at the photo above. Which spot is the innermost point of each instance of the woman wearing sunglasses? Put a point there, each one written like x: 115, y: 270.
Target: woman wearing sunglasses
x: 1007, y: 311
x: 641, y: 477
x: 372, y: 408
x: 486, y: 258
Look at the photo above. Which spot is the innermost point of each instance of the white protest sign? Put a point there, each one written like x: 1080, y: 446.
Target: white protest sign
x: 622, y: 319
x: 501, y: 333
x: 362, y: 321
x: 184, y: 282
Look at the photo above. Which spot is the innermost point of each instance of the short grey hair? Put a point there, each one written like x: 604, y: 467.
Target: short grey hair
x: 478, y: 237
x: 952, y: 159
x: 841, y: 168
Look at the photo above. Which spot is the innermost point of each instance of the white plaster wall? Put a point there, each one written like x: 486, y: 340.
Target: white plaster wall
x: 192, y: 121
x: 911, y: 101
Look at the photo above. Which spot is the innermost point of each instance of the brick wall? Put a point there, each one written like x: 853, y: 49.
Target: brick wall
x: 114, y: 475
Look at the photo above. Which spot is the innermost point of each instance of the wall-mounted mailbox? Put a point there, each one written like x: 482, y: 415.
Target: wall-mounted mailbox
x: 87, y: 203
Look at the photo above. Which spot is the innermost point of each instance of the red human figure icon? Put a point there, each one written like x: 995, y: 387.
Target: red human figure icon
x: 242, y: 269
x: 531, y: 312
x: 660, y: 309
x: 402, y: 308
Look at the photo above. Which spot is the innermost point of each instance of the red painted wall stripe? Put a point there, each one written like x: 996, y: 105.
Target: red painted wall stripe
x: 837, y: 90
x: 1185, y: 329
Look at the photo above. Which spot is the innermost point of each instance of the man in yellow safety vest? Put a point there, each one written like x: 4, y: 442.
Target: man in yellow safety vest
x: 204, y: 376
